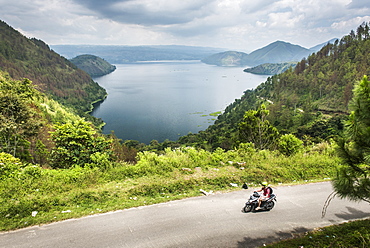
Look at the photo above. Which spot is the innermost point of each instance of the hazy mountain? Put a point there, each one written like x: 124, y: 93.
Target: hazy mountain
x: 93, y: 65
x: 229, y: 58
x: 276, y: 52
x: 130, y: 54
x: 318, y: 47
x: 270, y: 68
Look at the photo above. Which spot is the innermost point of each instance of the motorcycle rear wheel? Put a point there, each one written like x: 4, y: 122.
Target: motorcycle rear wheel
x: 247, y: 208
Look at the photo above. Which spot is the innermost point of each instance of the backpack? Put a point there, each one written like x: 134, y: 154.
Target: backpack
x: 271, y: 190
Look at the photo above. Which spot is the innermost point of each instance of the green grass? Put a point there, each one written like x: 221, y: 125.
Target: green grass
x: 215, y: 113
x: 54, y: 195
x: 351, y: 234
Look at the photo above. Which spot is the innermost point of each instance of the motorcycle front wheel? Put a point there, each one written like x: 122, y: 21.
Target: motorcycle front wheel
x: 247, y: 208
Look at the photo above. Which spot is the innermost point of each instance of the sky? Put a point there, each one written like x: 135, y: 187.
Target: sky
x: 241, y: 25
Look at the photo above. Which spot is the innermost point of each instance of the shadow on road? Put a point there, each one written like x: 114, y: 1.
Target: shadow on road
x: 353, y: 213
x: 258, y: 242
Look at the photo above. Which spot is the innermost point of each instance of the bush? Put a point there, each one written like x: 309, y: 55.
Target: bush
x: 77, y: 143
x: 288, y: 144
x: 9, y: 165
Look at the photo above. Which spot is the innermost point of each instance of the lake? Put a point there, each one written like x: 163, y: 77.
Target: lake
x: 168, y: 99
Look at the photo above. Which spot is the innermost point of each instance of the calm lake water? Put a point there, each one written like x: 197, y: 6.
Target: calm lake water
x: 168, y: 99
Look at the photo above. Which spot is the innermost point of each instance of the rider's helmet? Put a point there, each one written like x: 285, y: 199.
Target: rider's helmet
x: 264, y: 184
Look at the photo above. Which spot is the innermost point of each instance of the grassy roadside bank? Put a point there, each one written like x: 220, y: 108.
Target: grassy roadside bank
x: 31, y: 195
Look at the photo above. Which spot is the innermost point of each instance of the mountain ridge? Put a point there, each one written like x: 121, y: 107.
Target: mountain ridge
x: 319, y: 46
x: 275, y: 52
x: 121, y: 54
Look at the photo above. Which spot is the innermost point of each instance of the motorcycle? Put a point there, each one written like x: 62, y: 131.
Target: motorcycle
x: 252, y: 203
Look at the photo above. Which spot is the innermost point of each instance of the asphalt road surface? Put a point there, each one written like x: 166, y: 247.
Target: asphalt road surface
x: 205, y: 221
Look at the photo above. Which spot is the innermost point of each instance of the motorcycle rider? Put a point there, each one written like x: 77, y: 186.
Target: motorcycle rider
x: 265, y: 195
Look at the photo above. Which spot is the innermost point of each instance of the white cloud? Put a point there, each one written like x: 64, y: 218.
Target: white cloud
x: 359, y: 4
x: 350, y: 23
x: 284, y: 19
x: 233, y: 24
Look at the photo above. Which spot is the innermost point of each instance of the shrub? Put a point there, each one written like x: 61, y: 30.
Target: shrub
x: 289, y: 144
x: 9, y: 165
x: 76, y: 142
x: 100, y: 160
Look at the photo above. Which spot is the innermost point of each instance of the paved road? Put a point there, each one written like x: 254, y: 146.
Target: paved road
x: 206, y: 221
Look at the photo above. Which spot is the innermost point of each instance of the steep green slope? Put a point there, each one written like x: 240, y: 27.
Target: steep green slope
x: 56, y: 76
x: 309, y: 100
x: 26, y: 118
x: 93, y: 65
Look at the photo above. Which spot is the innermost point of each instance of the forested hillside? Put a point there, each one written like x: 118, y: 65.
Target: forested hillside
x: 28, y: 123
x: 310, y: 100
x: 26, y: 117
x: 53, y: 74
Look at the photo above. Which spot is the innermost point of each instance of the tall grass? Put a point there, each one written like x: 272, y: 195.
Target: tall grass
x: 31, y: 195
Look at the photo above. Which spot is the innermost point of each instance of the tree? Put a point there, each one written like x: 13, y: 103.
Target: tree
x: 255, y: 128
x: 121, y: 151
x: 352, y: 180
x: 18, y: 121
x: 77, y: 143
